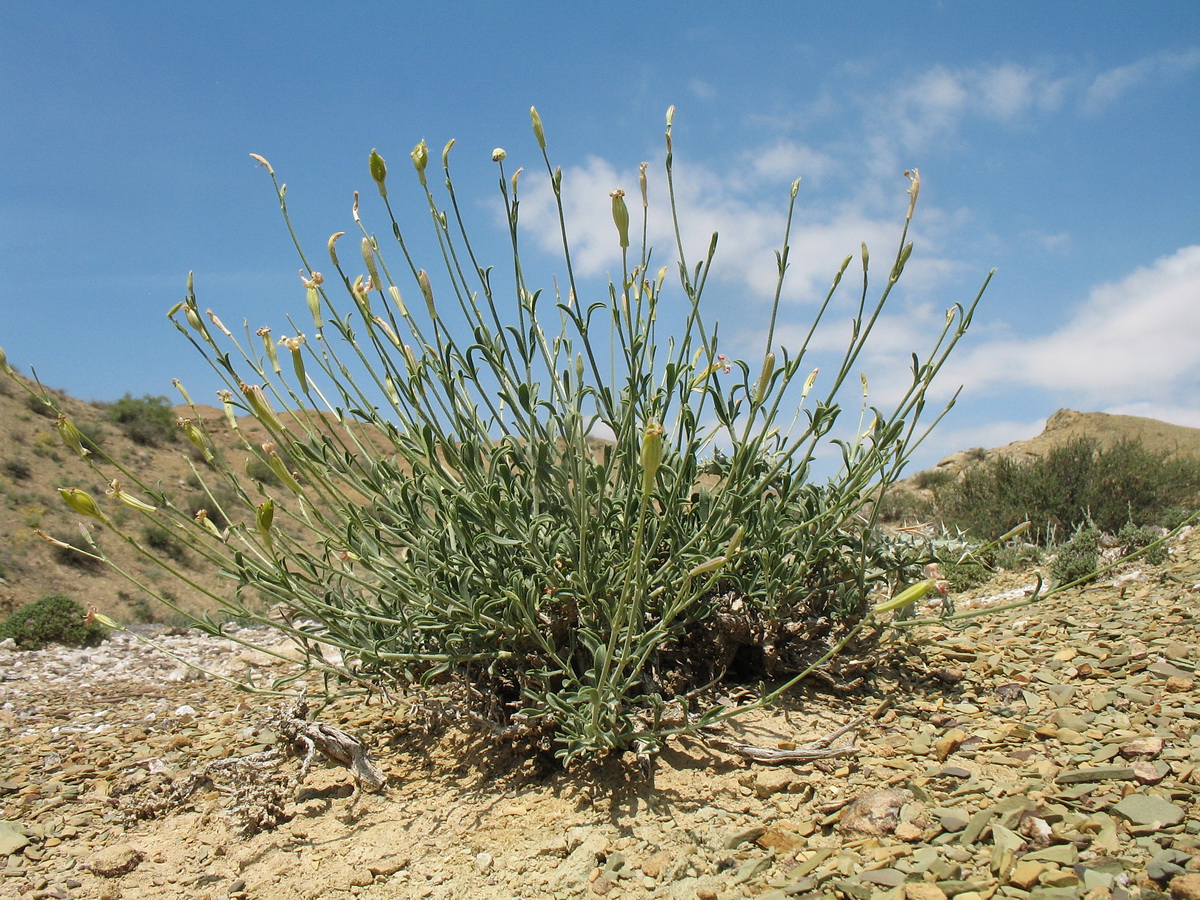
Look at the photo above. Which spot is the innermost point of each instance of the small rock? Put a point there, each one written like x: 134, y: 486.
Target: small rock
x: 876, y: 812
x: 1025, y: 874
x: 773, y: 782
x: 948, y: 743
x: 1186, y: 887
x: 115, y: 861
x: 1148, y: 748
x: 1177, y: 685
x: 484, y: 862
x: 884, y: 877
x: 917, y: 890
x: 909, y: 831
x: 653, y: 866
x: 1145, y: 772
x: 1148, y: 810
x: 11, y: 839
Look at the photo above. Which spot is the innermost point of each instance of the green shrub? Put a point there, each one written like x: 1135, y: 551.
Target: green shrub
x: 52, y: 619
x: 933, y: 478
x: 1078, y: 558
x: 17, y: 469
x: 1132, y: 538
x: 454, y: 519
x: 1075, y: 483
x: 148, y: 421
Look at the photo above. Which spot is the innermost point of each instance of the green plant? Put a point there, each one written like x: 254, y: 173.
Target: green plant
x: 1076, y: 482
x: 148, y: 421
x: 933, y: 478
x: 17, y: 469
x: 1138, y: 537
x: 51, y: 619
x: 1077, y: 559
x: 459, y: 521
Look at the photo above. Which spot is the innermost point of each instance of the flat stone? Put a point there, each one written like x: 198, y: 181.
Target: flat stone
x: 884, y: 877
x: 12, y: 838
x: 1025, y: 873
x: 1142, y: 748
x: 1148, y: 810
x: 1098, y: 773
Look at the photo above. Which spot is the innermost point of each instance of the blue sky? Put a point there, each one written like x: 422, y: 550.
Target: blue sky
x: 1057, y: 142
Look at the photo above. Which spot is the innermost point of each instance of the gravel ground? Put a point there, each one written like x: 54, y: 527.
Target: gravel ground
x: 1048, y: 752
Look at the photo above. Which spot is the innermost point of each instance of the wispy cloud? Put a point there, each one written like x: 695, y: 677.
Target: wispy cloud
x: 1131, y: 344
x: 1110, y: 85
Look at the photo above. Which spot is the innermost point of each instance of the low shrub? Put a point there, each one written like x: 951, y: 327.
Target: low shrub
x: 1078, y: 558
x: 1075, y: 483
x: 54, y: 619
x: 17, y: 469
x: 148, y: 421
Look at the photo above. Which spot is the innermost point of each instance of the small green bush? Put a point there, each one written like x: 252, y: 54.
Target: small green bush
x: 1075, y: 483
x: 1078, y: 558
x: 17, y: 469
x: 933, y: 478
x: 148, y: 421
x: 1136, y: 537
x: 53, y: 619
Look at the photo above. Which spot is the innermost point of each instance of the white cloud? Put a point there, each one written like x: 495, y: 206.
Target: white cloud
x: 701, y: 90
x: 1131, y: 344
x: 1108, y: 86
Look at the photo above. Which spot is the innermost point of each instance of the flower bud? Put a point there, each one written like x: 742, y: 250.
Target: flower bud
x: 182, y: 390
x: 264, y: 515
x: 378, y: 172
x: 275, y: 461
x: 420, y: 158
x: 71, y: 436
x: 368, y: 253
x: 294, y: 344
x: 259, y: 406
x: 263, y: 162
x: 652, y: 454
x: 498, y: 155
x: 82, y: 503
x: 760, y: 390
x: 446, y: 155
x: 265, y: 334
x: 395, y: 294
x: 114, y: 492
x: 537, y: 127
x: 226, y: 399
x: 202, y: 519
x: 620, y: 214
x: 427, y: 292
x: 642, y: 183
x: 195, y: 435
x: 4, y: 362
